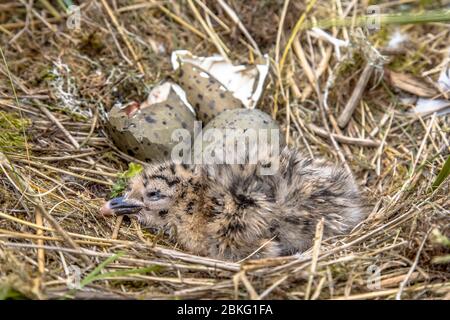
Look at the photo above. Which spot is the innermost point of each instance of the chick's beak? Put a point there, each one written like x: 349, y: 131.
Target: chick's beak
x: 120, y: 206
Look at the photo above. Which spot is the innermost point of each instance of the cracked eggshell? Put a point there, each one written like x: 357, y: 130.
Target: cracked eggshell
x: 145, y: 131
x: 208, y: 96
x: 214, y: 85
x: 243, y: 119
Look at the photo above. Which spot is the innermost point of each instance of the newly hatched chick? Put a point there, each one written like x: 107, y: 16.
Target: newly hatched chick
x: 230, y: 211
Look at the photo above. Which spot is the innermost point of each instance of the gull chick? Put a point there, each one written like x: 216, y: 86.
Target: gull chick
x: 231, y: 212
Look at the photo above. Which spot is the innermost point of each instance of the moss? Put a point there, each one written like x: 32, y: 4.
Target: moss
x: 13, y: 129
x: 412, y: 62
x: 132, y: 88
x: 9, y: 293
x: 46, y: 74
x: 347, y: 67
x: 92, y: 44
x: 381, y: 36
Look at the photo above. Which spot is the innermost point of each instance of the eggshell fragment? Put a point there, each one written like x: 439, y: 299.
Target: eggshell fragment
x: 145, y: 131
x: 207, y: 95
x: 213, y: 84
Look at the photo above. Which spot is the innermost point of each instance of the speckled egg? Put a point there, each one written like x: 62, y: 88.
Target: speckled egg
x: 206, y: 94
x: 240, y: 126
x: 146, y: 133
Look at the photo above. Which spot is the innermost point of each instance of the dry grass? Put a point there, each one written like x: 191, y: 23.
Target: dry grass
x: 57, y: 165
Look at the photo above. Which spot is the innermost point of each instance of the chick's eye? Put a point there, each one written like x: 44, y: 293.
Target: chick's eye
x: 155, y: 195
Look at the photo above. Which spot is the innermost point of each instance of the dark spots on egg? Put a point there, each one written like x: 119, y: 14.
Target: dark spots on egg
x: 169, y: 106
x: 212, y: 104
x: 184, y: 125
x: 150, y: 119
x: 164, y: 122
x: 222, y: 95
x: 200, y: 96
x: 266, y: 165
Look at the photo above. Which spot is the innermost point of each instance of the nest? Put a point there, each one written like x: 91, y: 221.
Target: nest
x: 57, y: 165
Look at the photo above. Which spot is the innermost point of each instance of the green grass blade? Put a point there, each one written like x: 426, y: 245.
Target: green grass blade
x: 126, y: 272
x: 445, y: 172
x: 95, y: 274
x: 385, y: 19
x: 441, y: 260
x: 89, y: 278
x: 8, y: 293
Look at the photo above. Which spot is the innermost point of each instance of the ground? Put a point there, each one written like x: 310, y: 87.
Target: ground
x: 57, y: 165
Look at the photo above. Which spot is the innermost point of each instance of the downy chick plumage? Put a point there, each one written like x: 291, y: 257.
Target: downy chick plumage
x: 231, y: 212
